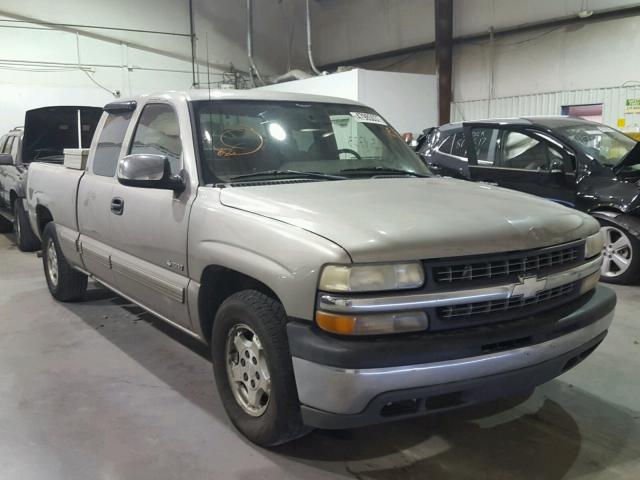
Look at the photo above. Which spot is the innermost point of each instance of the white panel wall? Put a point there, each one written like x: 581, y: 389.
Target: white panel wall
x: 40, y: 65
x: 613, y: 100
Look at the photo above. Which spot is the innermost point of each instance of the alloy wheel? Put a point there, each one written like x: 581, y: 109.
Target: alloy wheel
x: 247, y: 370
x: 617, y: 252
x: 52, y: 263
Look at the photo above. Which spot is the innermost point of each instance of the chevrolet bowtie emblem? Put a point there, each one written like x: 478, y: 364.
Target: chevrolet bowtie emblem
x: 529, y: 287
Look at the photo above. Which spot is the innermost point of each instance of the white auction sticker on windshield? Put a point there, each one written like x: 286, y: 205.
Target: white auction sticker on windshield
x: 364, y: 117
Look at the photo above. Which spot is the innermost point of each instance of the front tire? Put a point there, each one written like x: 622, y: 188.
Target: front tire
x: 621, y: 253
x: 25, y: 238
x: 65, y: 283
x: 253, y: 369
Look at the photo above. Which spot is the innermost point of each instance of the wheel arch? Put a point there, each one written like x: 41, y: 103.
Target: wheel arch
x: 43, y: 216
x: 217, y: 283
x: 605, y: 212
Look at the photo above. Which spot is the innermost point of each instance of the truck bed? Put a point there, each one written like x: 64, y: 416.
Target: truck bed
x: 55, y: 188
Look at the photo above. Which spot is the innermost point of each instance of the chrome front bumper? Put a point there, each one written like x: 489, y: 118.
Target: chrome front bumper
x: 348, y: 391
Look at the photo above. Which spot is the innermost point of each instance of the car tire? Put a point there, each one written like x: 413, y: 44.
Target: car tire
x: 25, y: 238
x: 621, y: 254
x: 249, y: 343
x: 65, y: 283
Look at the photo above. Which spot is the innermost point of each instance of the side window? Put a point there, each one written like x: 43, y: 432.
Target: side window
x: 158, y: 133
x: 525, y: 152
x: 8, y: 144
x: 2, y: 142
x: 459, y: 149
x: 16, y: 146
x: 445, y: 145
x: 485, y: 141
x: 109, y: 144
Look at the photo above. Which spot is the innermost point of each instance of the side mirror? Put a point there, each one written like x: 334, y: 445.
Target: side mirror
x: 149, y: 171
x: 6, y: 159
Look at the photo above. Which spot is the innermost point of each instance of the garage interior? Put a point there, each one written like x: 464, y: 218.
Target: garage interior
x: 100, y: 388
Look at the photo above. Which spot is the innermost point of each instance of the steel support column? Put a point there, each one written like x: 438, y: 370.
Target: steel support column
x: 444, y: 53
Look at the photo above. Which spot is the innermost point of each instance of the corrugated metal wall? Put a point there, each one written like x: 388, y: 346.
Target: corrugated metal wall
x: 613, y: 100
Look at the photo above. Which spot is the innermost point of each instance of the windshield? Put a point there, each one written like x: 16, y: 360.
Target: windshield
x: 240, y: 139
x: 606, y: 145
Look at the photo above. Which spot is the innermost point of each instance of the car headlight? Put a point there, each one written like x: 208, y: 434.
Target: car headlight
x: 371, y: 278
x: 594, y: 245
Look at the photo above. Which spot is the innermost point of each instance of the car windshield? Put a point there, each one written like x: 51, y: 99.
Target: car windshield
x: 606, y: 145
x: 246, y: 140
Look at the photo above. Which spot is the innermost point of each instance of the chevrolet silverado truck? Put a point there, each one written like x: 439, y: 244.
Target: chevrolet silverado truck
x: 337, y: 282
x: 46, y: 133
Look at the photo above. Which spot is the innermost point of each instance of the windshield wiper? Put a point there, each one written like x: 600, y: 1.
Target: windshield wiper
x: 295, y: 173
x: 383, y: 171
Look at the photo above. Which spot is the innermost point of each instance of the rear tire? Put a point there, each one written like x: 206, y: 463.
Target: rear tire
x: 25, y: 238
x: 621, y: 254
x: 65, y: 283
x: 249, y: 342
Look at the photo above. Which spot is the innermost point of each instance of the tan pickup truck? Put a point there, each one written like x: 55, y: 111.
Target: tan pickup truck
x: 338, y: 282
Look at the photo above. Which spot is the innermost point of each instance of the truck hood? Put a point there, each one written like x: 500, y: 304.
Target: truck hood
x: 390, y: 219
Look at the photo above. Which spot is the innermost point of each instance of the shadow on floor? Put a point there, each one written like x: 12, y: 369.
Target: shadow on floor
x: 501, y: 440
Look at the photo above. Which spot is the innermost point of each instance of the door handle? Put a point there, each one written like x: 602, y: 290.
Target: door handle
x: 117, y: 205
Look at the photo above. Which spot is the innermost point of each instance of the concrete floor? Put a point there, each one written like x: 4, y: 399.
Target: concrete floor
x: 99, y: 389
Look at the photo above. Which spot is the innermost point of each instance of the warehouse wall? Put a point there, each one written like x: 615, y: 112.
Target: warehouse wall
x: 355, y: 28
x: 588, y: 56
x: 42, y: 65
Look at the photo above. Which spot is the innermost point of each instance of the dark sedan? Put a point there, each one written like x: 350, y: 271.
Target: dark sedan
x: 578, y: 163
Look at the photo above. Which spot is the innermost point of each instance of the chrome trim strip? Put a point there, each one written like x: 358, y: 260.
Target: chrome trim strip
x: 350, y: 305
x: 348, y: 391
x: 159, y: 285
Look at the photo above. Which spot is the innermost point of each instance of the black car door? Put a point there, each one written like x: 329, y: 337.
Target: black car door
x: 523, y: 159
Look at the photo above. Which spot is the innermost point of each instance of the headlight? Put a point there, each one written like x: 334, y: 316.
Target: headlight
x: 371, y: 278
x: 594, y: 245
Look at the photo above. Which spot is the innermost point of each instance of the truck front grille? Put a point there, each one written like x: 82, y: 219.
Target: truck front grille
x: 494, y: 306
x: 534, y: 262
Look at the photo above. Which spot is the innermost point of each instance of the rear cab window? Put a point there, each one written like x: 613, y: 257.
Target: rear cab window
x: 8, y: 144
x: 109, y: 144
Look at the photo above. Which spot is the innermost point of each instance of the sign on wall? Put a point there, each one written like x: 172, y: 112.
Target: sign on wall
x: 632, y: 105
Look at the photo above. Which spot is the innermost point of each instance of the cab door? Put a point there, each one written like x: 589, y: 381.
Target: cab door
x: 95, y: 193
x: 151, y: 224
x: 521, y: 159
